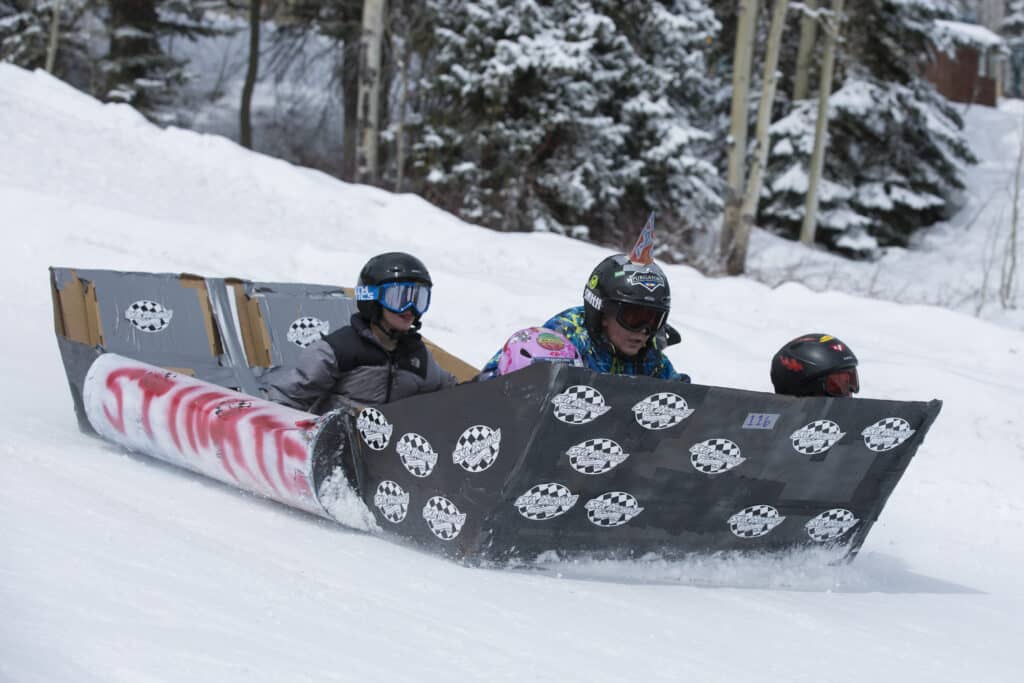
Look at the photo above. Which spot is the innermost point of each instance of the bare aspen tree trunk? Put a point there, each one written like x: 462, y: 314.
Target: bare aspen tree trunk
x: 51, y: 47
x: 742, y: 55
x: 810, y: 224
x: 403, y: 96
x: 736, y: 259
x: 245, y: 111
x: 368, y: 114
x: 350, y: 93
x: 1007, y: 282
x: 805, y: 51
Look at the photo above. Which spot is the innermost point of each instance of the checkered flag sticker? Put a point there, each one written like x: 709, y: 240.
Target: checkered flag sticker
x: 614, y: 508
x: 546, y: 501
x: 417, y: 455
x: 148, y: 316
x: 579, y: 405
x: 754, y: 521
x: 392, y: 501
x: 887, y: 434
x: 661, y: 411
x: 817, y: 437
x: 715, y: 456
x: 477, y: 448
x: 830, y: 525
x: 374, y: 428
x: 443, y: 518
x: 307, y: 330
x: 596, y: 456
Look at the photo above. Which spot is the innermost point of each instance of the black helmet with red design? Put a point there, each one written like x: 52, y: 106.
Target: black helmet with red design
x: 815, y: 365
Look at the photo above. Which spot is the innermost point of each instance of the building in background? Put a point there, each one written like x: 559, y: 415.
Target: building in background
x: 972, y: 65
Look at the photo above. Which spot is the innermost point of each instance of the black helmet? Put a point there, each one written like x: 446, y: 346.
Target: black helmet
x: 394, y: 266
x: 617, y: 280
x: 814, y: 365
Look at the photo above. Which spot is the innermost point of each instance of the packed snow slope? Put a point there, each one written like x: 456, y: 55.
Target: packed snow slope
x: 114, y: 567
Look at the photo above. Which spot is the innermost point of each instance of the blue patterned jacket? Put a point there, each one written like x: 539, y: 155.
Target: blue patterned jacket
x: 599, y: 355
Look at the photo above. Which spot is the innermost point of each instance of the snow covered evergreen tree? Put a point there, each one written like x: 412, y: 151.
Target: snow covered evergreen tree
x: 137, y: 68
x: 559, y: 115
x: 24, y: 30
x: 894, y: 143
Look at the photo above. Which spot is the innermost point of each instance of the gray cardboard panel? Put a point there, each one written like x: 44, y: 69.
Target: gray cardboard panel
x: 295, y: 314
x: 151, y: 317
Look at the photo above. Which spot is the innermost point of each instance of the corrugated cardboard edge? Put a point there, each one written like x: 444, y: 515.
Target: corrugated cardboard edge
x: 198, y: 283
x: 462, y: 370
x: 76, y: 314
x: 255, y: 335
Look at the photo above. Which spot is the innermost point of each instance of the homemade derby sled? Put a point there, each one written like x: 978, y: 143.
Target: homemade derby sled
x: 551, y: 458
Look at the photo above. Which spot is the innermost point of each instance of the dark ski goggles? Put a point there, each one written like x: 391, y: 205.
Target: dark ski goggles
x: 841, y: 383
x: 638, y: 318
x: 397, y: 297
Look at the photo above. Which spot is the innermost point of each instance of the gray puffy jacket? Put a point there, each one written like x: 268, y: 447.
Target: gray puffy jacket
x: 350, y: 367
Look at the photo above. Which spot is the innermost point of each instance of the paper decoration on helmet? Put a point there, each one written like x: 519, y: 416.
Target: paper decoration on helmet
x: 642, y: 252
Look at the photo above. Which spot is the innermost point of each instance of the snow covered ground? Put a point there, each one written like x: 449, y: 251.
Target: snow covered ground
x: 115, y: 567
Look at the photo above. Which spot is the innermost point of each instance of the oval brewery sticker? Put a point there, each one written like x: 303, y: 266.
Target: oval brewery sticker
x: 661, y: 411
x: 418, y: 456
x: 830, y: 525
x: 443, y: 518
x: 546, y: 501
x: 614, y: 508
x: 374, y: 428
x: 887, y: 434
x: 596, y: 456
x: 307, y: 330
x: 817, y: 437
x: 148, y: 316
x: 715, y: 456
x: 754, y: 521
x: 477, y: 448
x: 392, y: 501
x: 579, y: 405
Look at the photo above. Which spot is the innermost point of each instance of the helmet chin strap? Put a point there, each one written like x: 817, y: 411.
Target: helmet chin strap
x: 390, y: 332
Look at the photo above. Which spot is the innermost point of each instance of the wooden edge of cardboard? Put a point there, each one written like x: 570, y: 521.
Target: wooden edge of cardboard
x: 198, y: 283
x: 255, y: 336
x: 76, y: 310
x: 462, y: 370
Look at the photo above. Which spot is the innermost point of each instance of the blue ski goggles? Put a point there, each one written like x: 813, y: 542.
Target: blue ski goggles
x: 397, y: 297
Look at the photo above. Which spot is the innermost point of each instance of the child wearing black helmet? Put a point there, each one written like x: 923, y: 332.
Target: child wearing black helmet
x: 815, y: 365
x: 379, y: 357
x: 622, y: 326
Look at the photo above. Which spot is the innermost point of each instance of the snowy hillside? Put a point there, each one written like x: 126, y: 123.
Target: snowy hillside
x: 119, y: 568
x: 956, y: 264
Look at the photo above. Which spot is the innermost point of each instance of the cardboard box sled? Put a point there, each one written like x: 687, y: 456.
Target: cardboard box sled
x: 548, y: 459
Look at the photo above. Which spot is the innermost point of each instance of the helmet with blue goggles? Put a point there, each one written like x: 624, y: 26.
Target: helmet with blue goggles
x: 397, y: 297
